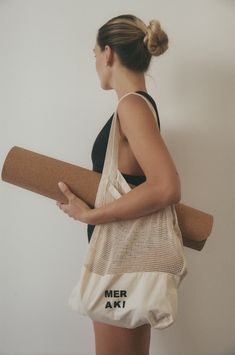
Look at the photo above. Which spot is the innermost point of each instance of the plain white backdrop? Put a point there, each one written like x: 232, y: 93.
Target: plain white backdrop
x: 51, y: 102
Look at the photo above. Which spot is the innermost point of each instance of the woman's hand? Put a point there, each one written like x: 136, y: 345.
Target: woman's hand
x: 76, y: 208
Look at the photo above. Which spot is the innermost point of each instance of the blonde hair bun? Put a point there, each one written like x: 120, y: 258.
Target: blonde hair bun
x: 134, y: 43
x: 156, y: 40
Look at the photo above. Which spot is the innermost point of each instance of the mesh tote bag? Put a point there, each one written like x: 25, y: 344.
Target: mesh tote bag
x: 132, y: 268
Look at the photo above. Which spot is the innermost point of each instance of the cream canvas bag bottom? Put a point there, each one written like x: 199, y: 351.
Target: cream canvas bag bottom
x: 132, y: 268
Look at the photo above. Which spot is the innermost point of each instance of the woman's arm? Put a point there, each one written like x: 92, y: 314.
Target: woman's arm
x: 140, y: 201
x: 162, y: 186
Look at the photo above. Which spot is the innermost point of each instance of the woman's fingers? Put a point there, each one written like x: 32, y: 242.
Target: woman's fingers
x: 66, y: 191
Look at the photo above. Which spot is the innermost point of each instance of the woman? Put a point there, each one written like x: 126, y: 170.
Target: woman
x: 123, y: 50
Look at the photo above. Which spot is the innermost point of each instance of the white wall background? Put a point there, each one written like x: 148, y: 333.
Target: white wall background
x: 51, y: 102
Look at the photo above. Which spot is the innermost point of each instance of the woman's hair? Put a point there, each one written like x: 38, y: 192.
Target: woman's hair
x: 133, y: 41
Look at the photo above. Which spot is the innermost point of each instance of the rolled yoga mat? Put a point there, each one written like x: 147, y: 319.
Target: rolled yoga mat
x: 41, y: 174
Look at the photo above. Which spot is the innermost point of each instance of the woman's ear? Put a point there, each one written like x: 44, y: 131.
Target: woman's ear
x: 108, y: 55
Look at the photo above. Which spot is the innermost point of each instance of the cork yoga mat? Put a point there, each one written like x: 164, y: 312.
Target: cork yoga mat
x: 40, y: 174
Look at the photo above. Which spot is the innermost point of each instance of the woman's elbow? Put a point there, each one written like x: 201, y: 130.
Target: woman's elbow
x: 176, y: 197
x: 172, y: 195
x: 174, y: 190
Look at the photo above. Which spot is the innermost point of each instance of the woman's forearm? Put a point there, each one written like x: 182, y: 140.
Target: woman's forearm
x: 140, y: 201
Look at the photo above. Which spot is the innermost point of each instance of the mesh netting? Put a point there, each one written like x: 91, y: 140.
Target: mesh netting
x: 144, y: 244
x: 148, y: 243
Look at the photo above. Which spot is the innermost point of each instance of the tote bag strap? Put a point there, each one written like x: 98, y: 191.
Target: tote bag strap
x: 111, y: 157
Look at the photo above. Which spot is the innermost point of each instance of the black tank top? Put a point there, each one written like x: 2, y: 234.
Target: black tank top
x: 99, y: 151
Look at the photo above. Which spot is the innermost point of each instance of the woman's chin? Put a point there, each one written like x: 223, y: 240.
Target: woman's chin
x: 105, y: 86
